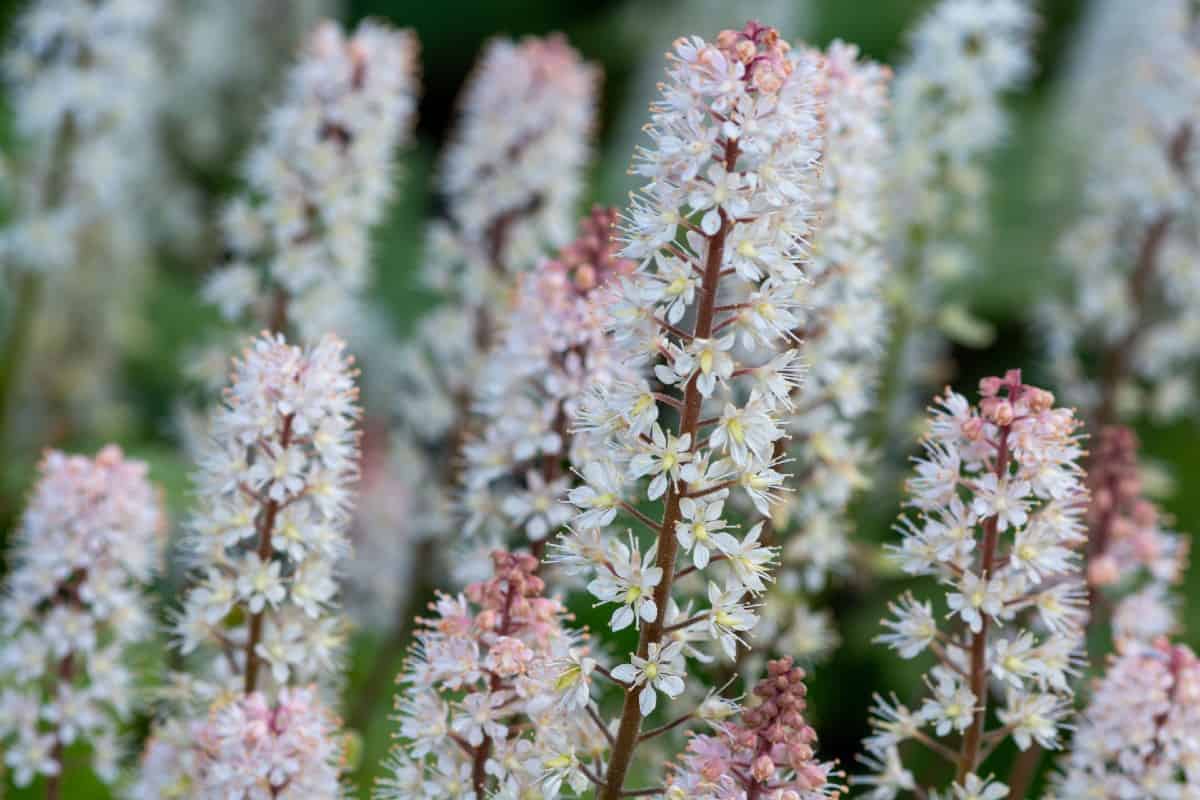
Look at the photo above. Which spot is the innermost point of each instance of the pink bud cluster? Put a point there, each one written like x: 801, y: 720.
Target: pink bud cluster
x: 91, y: 538
x: 762, y: 54
x: 1137, y: 737
x: 768, y: 754
x: 253, y: 748
x: 1134, y: 558
x: 553, y: 349
x: 479, y: 712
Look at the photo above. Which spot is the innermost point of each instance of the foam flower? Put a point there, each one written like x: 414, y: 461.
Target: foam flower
x: 1016, y: 491
x: 90, y: 540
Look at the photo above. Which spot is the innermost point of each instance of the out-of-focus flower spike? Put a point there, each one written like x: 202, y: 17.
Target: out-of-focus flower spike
x: 298, y: 242
x: 1135, y: 737
x: 91, y: 539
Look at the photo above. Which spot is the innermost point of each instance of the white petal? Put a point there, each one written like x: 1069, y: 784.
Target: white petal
x: 647, y: 700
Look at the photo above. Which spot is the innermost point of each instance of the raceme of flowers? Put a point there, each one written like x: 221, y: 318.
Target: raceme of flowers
x: 82, y: 92
x: 1137, y: 736
x: 321, y: 176
x: 510, y: 177
x: 1133, y: 558
x: 269, y: 530
x: 553, y: 348
x: 717, y: 230
x: 1132, y: 308
x: 768, y: 752
x: 63, y: 71
x: 90, y: 540
x: 512, y: 173
x: 479, y: 712
x: 947, y: 116
x: 946, y: 110
x: 247, y: 747
x: 843, y: 325
x: 999, y: 502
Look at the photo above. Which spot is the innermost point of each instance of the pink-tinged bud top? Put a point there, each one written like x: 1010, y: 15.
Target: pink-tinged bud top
x: 286, y: 750
x: 479, y: 707
x: 91, y: 538
x: 1138, y: 728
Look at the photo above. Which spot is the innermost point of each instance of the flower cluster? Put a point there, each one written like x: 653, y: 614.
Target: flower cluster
x: 513, y: 170
x: 946, y: 117
x: 298, y: 243
x: 1137, y: 736
x: 274, y: 493
x: 287, y: 750
x: 249, y: 747
x: 717, y: 231
x: 480, y: 713
x: 80, y: 75
x: 81, y: 80
x: 999, y: 502
x: 91, y: 538
x: 511, y: 176
x: 553, y: 348
x: 964, y: 55
x: 843, y: 323
x: 1132, y: 308
x: 769, y: 752
x: 1130, y: 550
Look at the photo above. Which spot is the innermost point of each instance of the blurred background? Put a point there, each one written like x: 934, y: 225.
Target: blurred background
x: 627, y: 39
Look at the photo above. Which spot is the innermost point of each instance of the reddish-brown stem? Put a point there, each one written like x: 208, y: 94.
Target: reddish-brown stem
x: 969, y: 753
x: 1023, y: 771
x: 266, y: 529
x: 630, y: 725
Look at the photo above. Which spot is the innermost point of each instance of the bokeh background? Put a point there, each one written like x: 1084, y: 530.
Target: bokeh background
x: 1016, y: 256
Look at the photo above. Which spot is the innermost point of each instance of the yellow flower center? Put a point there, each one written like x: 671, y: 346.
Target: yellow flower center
x: 569, y: 678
